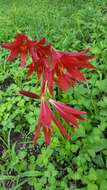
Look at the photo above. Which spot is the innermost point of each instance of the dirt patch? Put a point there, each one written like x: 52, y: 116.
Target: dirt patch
x: 6, y: 83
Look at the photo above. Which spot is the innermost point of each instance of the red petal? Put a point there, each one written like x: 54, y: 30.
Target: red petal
x: 84, y: 65
x: 37, y: 131
x: 65, y: 81
x: 33, y: 54
x: 68, y: 109
x: 69, y: 114
x: 39, y: 67
x: 80, y: 118
x: 42, y: 41
x: 45, y: 114
x: 62, y: 83
x: 61, y: 128
x: 29, y: 94
x: 23, y: 57
x: 31, y: 69
x: 9, y: 46
x: 76, y: 74
x: 20, y: 38
x: 79, y: 62
x: 80, y: 53
x: 12, y: 55
x: 47, y: 135
x: 67, y: 117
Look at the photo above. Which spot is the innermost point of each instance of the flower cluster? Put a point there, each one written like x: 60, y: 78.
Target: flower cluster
x: 52, y: 67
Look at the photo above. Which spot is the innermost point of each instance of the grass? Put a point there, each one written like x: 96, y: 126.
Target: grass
x: 69, y: 25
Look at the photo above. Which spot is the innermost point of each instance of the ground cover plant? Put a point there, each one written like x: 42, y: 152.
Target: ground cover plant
x: 80, y: 164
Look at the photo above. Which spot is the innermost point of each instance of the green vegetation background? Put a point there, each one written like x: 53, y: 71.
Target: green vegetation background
x: 69, y: 25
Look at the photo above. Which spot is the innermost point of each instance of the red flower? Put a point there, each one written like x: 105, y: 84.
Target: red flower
x: 42, y: 49
x: 49, y: 71
x: 70, y: 115
x: 41, y: 52
x: 47, y: 116
x: 68, y: 67
x: 23, y: 46
x: 45, y: 66
x: 61, y: 67
x: 45, y: 121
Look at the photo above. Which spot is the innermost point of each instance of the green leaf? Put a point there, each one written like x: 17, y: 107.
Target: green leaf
x: 22, y: 154
x: 32, y: 173
x: 92, y: 175
x: 4, y: 177
x: 103, y: 185
x: 92, y: 186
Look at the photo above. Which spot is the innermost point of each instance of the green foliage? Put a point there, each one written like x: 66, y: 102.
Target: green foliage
x: 81, y: 165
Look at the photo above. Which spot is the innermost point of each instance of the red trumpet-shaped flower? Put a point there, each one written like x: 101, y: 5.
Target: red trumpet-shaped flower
x: 61, y: 67
x: 68, y: 68
x: 66, y: 71
x: 45, y: 119
x: 45, y: 122
x: 45, y: 66
x: 22, y: 45
x: 70, y: 115
x: 41, y: 52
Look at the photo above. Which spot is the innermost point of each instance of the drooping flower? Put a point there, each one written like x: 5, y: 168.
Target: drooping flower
x: 45, y: 119
x: 45, y: 66
x: 62, y: 67
x: 41, y: 52
x: 49, y: 70
x: 69, y: 65
x: 47, y: 116
x: 70, y: 115
x: 21, y: 45
x: 45, y: 122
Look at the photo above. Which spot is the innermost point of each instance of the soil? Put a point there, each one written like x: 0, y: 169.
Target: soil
x: 6, y: 83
